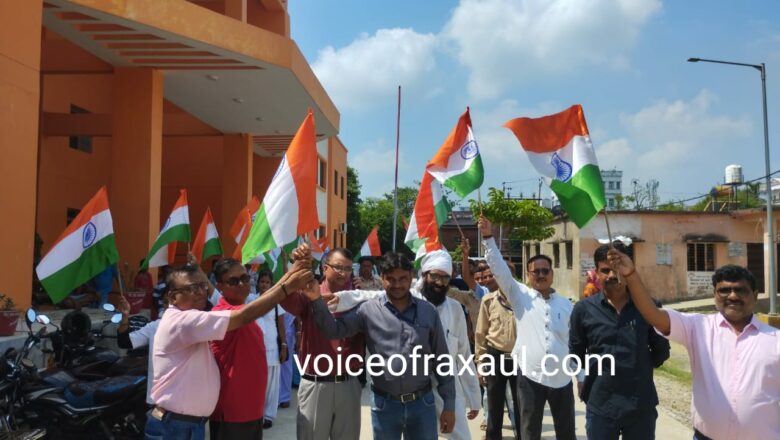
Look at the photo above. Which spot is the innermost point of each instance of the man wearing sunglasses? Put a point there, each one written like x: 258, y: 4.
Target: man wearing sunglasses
x: 542, y: 328
x: 608, y: 323
x: 328, y: 405
x: 735, y: 358
x: 186, y: 376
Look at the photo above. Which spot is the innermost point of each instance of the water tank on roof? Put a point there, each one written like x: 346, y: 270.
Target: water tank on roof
x: 734, y: 175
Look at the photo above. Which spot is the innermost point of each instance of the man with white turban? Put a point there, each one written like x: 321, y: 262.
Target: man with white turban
x: 433, y: 286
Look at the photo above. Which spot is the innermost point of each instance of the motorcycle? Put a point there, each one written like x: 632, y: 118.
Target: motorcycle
x: 66, y: 407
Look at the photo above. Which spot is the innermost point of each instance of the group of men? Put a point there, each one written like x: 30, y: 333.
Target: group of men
x: 425, y: 382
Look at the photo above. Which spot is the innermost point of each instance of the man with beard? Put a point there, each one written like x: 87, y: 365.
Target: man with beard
x: 735, y: 358
x: 608, y: 323
x: 328, y: 405
x: 433, y: 286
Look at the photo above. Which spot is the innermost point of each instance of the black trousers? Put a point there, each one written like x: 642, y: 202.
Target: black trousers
x: 236, y: 430
x: 496, y: 395
x: 532, y: 398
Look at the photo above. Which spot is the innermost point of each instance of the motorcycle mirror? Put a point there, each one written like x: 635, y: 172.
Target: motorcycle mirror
x: 117, y: 318
x: 109, y: 307
x: 30, y: 316
x: 43, y: 319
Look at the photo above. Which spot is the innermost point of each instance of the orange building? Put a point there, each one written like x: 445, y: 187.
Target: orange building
x: 146, y: 97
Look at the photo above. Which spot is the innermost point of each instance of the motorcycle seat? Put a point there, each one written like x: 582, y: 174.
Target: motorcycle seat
x: 102, y: 392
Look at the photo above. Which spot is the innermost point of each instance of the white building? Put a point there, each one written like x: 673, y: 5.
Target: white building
x: 613, y: 186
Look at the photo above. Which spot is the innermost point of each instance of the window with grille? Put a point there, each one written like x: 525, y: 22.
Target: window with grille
x: 569, y: 255
x: 322, y: 173
x: 556, y: 255
x: 701, y: 257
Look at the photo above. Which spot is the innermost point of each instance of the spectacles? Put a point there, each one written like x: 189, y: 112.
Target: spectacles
x: 436, y: 278
x: 723, y: 292
x: 340, y: 269
x: 235, y: 281
x: 192, y: 289
x: 539, y: 272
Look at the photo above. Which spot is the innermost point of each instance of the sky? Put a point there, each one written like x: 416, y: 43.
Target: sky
x: 650, y: 113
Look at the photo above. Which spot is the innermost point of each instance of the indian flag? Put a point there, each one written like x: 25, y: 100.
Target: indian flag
x: 239, y: 229
x: 457, y: 164
x: 560, y: 149
x: 176, y: 228
x: 371, y: 247
x: 289, y: 208
x: 83, y: 250
x: 430, y: 211
x: 207, y: 242
x: 319, y: 247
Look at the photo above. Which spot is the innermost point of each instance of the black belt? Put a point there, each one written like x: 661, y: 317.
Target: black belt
x: 335, y: 379
x: 403, y: 398
x: 180, y: 417
x: 699, y: 436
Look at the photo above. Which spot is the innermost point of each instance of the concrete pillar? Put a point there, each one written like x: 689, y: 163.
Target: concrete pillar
x: 136, y: 162
x: 20, y: 54
x: 237, y: 160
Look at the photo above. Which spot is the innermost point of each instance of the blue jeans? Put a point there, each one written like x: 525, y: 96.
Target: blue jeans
x: 416, y: 420
x: 153, y: 430
x: 638, y: 426
x: 173, y: 429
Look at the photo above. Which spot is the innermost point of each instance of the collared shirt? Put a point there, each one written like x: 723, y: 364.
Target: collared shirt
x: 142, y: 337
x: 598, y: 329
x: 314, y: 343
x: 186, y: 376
x: 542, y: 324
x: 373, y: 283
x: 242, y: 369
x: 495, y: 326
x: 736, y: 379
x: 393, y: 332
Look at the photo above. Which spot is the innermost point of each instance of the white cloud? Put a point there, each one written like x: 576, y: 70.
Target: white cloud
x: 376, y: 168
x: 504, y: 42
x: 371, y: 67
x: 681, y: 143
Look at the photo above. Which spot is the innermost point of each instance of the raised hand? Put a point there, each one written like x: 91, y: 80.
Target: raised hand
x: 620, y: 262
x: 297, y: 280
x: 485, y: 227
x: 302, y: 252
x: 465, y: 247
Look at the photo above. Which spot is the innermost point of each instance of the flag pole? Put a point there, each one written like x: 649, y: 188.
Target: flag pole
x: 395, y: 185
x: 455, y: 220
x: 479, y: 232
x: 606, y: 219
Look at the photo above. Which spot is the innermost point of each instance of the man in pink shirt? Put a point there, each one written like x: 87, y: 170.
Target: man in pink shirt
x: 735, y: 358
x: 186, y: 377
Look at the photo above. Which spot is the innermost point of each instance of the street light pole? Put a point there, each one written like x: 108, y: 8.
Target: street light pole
x: 770, y: 228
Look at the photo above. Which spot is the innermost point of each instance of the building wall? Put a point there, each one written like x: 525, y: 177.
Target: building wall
x: 337, y: 192
x: 666, y: 282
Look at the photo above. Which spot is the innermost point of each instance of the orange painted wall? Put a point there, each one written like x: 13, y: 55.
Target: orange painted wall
x: 337, y: 206
x: 20, y: 24
x: 263, y: 172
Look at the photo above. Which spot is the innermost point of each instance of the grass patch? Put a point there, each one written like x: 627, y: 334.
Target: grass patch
x: 675, y: 373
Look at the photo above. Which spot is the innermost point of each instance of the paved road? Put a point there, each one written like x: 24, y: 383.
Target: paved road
x: 667, y: 428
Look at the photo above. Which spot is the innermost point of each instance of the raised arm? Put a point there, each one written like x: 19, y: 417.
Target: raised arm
x: 349, y: 299
x: 297, y: 279
x: 511, y: 288
x: 346, y: 325
x: 654, y: 316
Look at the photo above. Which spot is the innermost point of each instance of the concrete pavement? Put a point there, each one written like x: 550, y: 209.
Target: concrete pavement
x: 667, y: 428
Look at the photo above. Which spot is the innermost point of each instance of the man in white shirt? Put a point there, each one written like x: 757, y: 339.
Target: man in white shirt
x: 542, y: 324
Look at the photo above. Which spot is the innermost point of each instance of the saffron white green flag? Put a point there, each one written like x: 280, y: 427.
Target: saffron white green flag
x: 176, y: 228
x: 457, y: 164
x: 430, y: 212
x: 83, y: 250
x: 207, y: 242
x: 560, y: 149
x: 289, y: 208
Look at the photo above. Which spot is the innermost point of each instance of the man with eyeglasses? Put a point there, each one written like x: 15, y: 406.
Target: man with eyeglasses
x: 186, y: 376
x: 608, y: 323
x: 542, y: 328
x: 434, y: 286
x: 328, y: 404
x: 735, y: 358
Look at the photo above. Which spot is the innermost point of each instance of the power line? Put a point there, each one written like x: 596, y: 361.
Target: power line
x: 769, y: 190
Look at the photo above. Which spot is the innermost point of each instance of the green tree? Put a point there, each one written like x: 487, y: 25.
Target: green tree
x: 379, y: 211
x: 355, y: 228
x: 522, y: 219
